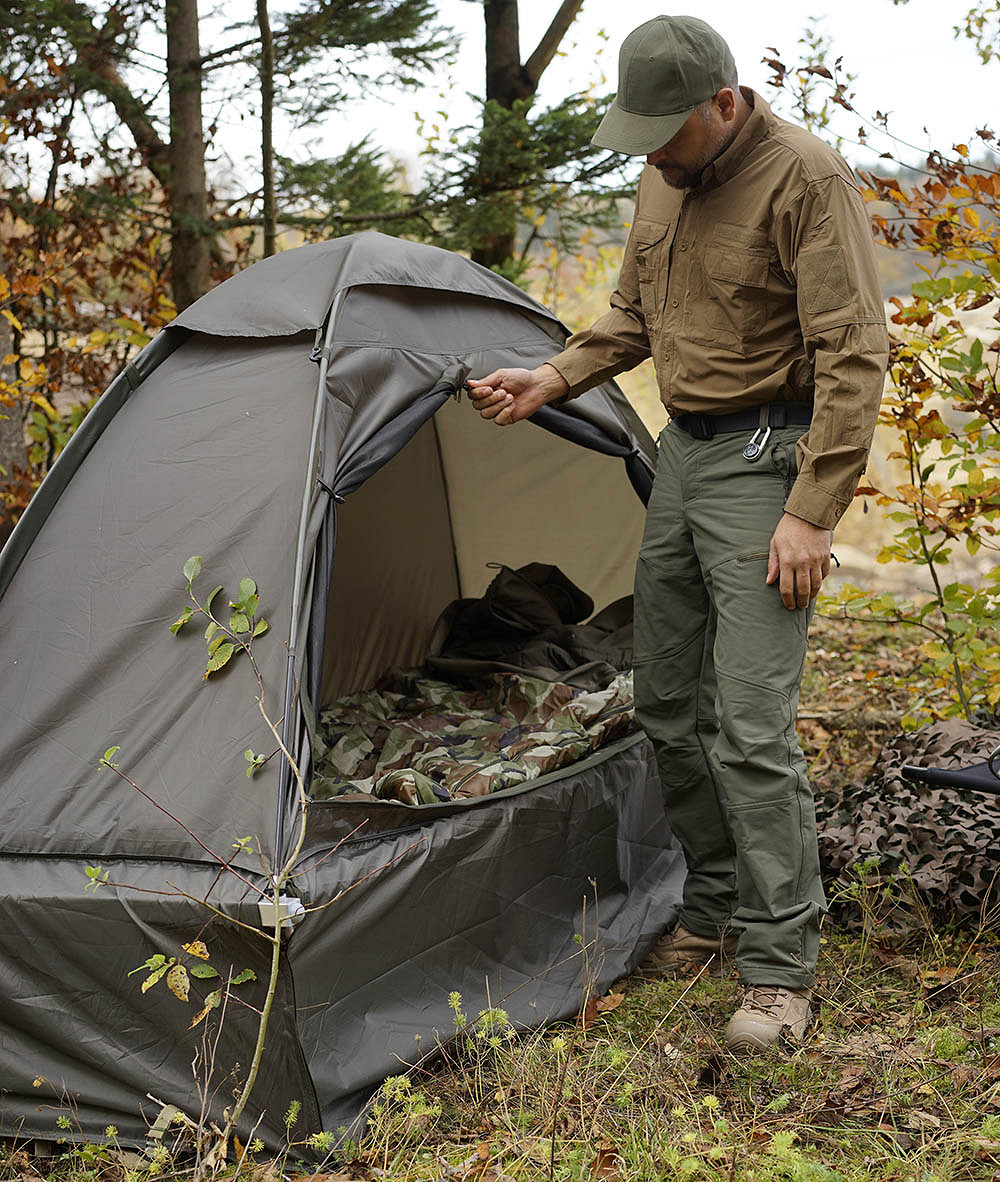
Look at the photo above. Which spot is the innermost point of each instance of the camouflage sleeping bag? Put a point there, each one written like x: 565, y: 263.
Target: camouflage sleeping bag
x: 419, y: 740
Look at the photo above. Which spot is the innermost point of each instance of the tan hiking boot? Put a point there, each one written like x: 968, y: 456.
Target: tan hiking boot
x: 679, y: 952
x: 767, y: 1012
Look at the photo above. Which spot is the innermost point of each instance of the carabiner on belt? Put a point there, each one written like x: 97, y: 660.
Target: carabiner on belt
x: 754, y: 448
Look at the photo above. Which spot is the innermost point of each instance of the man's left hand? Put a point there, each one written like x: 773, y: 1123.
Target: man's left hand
x: 799, y: 560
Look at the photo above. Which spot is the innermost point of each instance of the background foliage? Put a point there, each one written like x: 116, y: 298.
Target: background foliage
x: 95, y: 237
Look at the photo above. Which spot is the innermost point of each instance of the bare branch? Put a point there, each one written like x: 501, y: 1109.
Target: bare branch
x: 545, y: 51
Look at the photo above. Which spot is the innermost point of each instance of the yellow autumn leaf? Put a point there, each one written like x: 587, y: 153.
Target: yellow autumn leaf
x: 212, y: 1002
x: 971, y: 216
x: 154, y: 976
x: 197, y: 948
x: 11, y: 319
x: 177, y: 982
x: 43, y: 402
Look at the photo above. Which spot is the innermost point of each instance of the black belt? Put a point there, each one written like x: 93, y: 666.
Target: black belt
x: 779, y: 414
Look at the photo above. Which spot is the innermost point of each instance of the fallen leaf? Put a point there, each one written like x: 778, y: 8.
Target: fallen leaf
x: 852, y: 1077
x: 942, y: 976
x: 337, y: 1177
x: 918, y: 1119
x: 892, y: 960
x: 611, y: 1002
x: 902, y: 1140
x: 606, y: 1163
x: 589, y: 1014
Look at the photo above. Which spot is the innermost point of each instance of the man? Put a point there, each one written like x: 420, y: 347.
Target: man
x: 749, y: 277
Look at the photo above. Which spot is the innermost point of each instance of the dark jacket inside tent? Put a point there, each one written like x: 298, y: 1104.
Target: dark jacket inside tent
x: 299, y: 425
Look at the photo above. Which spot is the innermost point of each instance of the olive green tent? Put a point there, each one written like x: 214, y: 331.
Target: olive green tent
x: 299, y: 425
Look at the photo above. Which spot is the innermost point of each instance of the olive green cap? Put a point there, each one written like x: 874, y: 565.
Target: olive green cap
x: 666, y: 67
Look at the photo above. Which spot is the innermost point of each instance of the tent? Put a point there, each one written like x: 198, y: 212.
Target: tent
x: 299, y: 425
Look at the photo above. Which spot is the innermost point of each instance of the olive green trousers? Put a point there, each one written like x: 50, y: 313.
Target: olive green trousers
x: 718, y: 662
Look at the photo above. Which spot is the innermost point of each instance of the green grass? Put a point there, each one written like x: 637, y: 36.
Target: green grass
x: 898, y: 1078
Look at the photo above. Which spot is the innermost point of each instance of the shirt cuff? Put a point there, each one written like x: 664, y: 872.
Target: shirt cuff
x: 577, y: 372
x: 814, y: 504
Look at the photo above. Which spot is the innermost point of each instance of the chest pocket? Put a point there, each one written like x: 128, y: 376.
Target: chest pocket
x: 733, y: 307
x: 652, y: 260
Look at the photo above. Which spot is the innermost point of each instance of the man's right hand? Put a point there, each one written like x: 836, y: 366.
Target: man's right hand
x: 508, y: 395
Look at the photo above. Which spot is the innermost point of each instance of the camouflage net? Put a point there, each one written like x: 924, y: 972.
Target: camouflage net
x: 418, y: 740
x: 937, y: 849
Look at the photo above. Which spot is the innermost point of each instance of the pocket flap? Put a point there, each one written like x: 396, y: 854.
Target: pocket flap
x: 749, y: 269
x: 647, y: 234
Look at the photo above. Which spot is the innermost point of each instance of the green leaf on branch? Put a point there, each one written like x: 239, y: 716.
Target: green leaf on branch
x: 255, y: 761
x: 192, y: 568
x: 153, y: 962
x: 219, y: 658
x: 210, y: 631
x: 251, y: 603
x: 181, y: 620
x: 260, y: 627
x: 247, y: 588
x: 203, y: 971
x: 155, y: 976
x: 211, y: 595
x: 218, y: 638
x: 97, y: 876
x: 238, y: 623
x: 244, y: 976
x: 109, y: 755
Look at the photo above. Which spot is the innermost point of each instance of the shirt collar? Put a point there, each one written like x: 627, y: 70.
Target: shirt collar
x: 760, y: 124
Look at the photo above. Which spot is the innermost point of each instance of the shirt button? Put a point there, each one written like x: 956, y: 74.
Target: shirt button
x: 666, y: 356
x: 674, y: 303
x: 684, y: 246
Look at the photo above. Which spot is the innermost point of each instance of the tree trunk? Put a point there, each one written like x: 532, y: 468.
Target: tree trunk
x: 508, y: 81
x: 191, y: 240
x: 505, y: 78
x: 267, y: 142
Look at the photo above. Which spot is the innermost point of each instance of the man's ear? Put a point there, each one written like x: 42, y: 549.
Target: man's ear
x: 725, y: 102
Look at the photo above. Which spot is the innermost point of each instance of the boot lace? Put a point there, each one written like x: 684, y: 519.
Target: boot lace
x: 765, y: 998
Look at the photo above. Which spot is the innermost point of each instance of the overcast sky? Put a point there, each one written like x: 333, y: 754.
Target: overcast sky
x: 907, y: 61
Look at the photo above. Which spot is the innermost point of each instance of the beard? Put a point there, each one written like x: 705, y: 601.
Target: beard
x: 679, y: 178
x: 688, y: 176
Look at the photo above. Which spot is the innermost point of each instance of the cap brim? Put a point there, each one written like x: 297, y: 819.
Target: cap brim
x: 637, y: 135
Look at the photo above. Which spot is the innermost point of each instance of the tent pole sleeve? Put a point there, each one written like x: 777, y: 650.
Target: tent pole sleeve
x: 301, y: 562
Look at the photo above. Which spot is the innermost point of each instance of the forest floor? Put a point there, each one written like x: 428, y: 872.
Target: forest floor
x: 898, y: 1078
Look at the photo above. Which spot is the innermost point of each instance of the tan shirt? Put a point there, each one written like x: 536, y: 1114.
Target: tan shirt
x: 759, y: 285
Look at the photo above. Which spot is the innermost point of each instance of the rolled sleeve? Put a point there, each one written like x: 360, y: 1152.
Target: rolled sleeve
x: 825, y: 241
